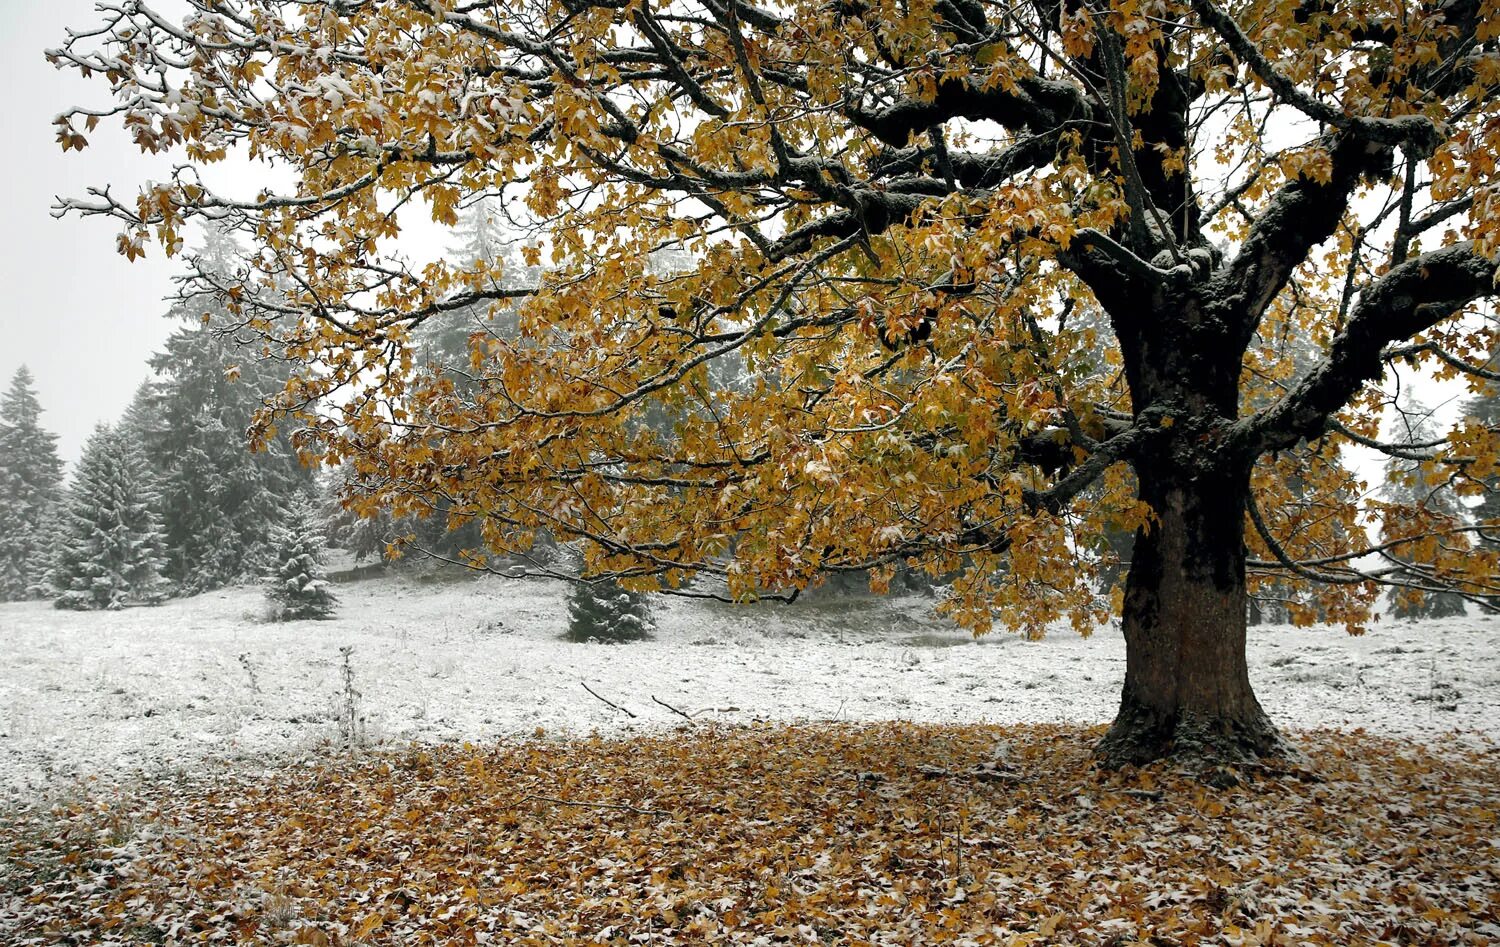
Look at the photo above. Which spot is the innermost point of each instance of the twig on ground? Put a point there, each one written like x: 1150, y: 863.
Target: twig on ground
x: 983, y: 773
x: 1154, y: 795
x: 654, y: 813
x: 609, y: 702
x: 683, y: 714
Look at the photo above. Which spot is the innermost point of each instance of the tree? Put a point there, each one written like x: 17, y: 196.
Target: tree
x: 483, y: 243
x: 894, y: 210
x: 109, y: 544
x: 1482, y: 411
x: 1301, y: 486
x: 296, y: 582
x: 602, y: 610
x: 220, y: 499
x: 1419, y: 492
x: 142, y: 422
x: 30, y: 483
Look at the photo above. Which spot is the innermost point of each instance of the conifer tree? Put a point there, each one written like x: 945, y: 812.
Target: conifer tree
x: 142, y: 422
x: 219, y: 500
x: 1483, y: 410
x: 1412, y: 485
x: 483, y: 239
x: 602, y: 610
x: 30, y: 483
x: 109, y: 544
x: 297, y: 583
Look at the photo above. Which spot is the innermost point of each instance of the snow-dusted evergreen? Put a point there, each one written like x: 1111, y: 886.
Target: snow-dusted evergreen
x: 108, y: 543
x: 601, y: 610
x: 297, y: 582
x: 1410, y: 483
x: 30, y: 484
x: 1484, y: 408
x: 219, y: 500
x: 482, y: 239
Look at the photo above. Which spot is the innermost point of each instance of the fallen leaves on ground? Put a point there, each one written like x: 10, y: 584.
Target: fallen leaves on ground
x: 822, y: 834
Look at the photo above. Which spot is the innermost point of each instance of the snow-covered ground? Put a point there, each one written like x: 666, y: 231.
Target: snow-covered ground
x: 206, y: 679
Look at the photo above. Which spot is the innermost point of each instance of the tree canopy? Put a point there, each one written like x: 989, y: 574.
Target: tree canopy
x: 977, y: 262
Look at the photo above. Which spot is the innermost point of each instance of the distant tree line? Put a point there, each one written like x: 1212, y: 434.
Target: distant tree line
x: 168, y: 500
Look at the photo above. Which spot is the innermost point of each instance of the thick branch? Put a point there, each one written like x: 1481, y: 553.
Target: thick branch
x: 1300, y: 217
x: 1034, y: 104
x: 1409, y: 299
x: 1415, y: 134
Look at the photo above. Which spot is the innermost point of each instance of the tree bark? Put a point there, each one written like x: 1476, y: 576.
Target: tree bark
x: 1187, y: 686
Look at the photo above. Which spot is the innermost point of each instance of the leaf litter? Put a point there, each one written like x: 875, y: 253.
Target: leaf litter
x: 854, y: 834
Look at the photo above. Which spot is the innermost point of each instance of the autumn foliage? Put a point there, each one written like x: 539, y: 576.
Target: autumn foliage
x: 993, y: 282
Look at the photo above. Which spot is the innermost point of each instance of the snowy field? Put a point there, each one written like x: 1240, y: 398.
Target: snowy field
x: 207, y: 681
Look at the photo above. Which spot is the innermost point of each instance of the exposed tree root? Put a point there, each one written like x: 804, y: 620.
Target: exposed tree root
x: 1213, y: 747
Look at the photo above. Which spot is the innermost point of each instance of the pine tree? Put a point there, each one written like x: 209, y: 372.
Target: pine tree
x: 1409, y: 486
x: 142, y: 422
x: 30, y: 484
x: 601, y: 610
x: 219, y: 500
x: 1484, y: 408
x: 109, y: 544
x: 297, y: 582
x: 484, y: 239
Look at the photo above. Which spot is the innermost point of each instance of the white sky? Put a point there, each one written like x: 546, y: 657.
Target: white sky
x: 82, y: 318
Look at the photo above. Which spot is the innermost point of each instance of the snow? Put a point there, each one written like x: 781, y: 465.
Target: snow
x: 207, y: 680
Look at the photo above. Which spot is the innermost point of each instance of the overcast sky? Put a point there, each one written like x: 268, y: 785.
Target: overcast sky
x: 74, y: 311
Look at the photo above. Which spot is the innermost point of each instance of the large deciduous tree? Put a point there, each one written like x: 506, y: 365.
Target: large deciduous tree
x: 900, y: 212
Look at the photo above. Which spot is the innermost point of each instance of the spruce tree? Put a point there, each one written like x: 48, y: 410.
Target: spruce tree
x: 483, y: 238
x: 219, y: 500
x: 30, y: 484
x: 109, y: 543
x: 1484, y: 408
x: 297, y: 582
x: 1410, y: 486
x: 602, y: 610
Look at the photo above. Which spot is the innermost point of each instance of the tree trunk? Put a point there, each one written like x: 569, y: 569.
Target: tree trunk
x: 1187, y: 687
